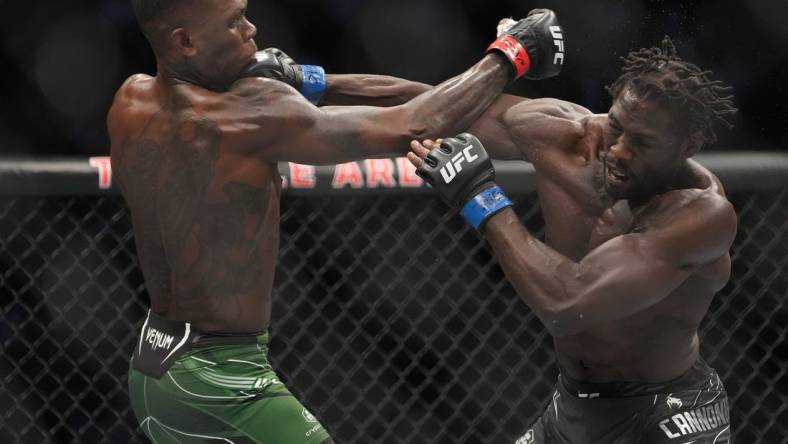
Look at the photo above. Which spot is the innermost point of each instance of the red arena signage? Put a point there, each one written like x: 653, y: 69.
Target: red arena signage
x: 363, y: 174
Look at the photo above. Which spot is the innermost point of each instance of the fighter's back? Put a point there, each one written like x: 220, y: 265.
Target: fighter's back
x: 205, y: 215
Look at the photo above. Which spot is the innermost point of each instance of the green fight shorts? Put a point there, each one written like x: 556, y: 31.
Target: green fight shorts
x: 215, y: 393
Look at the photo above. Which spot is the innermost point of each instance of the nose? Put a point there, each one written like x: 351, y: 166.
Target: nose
x: 620, y: 149
x: 251, y: 29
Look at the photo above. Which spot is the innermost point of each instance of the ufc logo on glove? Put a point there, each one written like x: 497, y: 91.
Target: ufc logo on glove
x: 471, y: 189
x: 558, y: 41
x: 450, y: 170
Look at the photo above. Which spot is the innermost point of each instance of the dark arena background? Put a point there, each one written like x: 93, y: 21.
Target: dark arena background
x: 392, y: 322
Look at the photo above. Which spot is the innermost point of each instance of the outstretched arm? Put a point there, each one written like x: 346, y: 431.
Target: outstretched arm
x: 290, y: 129
x: 378, y: 90
x: 511, y: 128
x: 370, y: 89
x: 276, y: 122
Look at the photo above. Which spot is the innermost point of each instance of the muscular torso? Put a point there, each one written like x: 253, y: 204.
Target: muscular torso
x: 655, y: 344
x: 198, y: 170
x: 205, y: 214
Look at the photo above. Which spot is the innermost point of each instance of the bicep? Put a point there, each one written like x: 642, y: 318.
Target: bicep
x: 632, y: 272
x: 494, y: 132
x: 623, y: 276
x: 340, y: 134
x: 544, y: 124
x: 272, y: 120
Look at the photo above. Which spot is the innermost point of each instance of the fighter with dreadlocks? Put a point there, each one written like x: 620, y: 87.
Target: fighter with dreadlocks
x: 636, y: 245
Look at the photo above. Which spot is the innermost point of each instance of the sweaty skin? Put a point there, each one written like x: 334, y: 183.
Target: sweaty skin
x: 197, y: 164
x: 622, y: 284
x: 631, y: 258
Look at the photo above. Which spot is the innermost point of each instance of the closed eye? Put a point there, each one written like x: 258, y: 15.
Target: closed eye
x: 237, y: 19
x: 614, y: 125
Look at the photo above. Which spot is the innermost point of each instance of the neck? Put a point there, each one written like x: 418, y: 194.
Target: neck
x: 681, y: 179
x: 175, y: 73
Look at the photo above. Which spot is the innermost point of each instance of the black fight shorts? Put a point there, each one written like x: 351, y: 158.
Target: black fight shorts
x: 690, y: 409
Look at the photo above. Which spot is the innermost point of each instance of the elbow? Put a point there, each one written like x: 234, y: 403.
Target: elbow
x: 420, y: 129
x: 420, y: 126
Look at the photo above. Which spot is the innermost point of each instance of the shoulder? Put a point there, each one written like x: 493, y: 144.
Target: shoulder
x: 137, y: 79
x: 699, y: 224
x: 704, y: 206
x: 701, y: 196
x: 705, y: 202
x: 131, y: 96
x: 260, y: 100
x: 134, y: 86
x: 261, y: 88
x: 133, y: 91
x: 255, y: 114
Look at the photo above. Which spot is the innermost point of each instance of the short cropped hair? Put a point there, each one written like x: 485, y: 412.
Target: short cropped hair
x: 659, y: 73
x: 156, y: 16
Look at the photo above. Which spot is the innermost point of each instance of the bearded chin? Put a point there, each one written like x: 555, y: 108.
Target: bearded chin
x: 600, y: 185
x: 619, y: 194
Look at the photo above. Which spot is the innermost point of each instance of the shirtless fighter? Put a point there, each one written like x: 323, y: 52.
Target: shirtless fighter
x: 637, y: 243
x: 195, y: 151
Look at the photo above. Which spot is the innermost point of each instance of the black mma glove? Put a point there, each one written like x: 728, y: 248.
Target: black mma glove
x: 309, y: 80
x: 534, y: 45
x: 461, y: 172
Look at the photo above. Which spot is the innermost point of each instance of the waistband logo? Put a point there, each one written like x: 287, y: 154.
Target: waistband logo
x: 158, y: 339
x: 674, y: 403
x: 528, y: 438
x: 308, y: 416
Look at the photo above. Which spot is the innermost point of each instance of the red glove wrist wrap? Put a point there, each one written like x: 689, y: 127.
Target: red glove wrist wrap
x: 514, y: 51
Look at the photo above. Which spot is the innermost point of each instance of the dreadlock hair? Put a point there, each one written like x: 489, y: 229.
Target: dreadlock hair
x: 659, y: 73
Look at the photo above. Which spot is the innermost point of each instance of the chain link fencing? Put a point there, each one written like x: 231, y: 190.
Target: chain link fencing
x: 392, y: 322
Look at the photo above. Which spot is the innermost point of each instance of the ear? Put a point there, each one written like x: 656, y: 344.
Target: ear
x: 183, y: 42
x: 692, y: 144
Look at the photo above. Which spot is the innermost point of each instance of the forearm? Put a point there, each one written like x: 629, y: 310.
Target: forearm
x: 455, y: 104
x: 370, y: 89
x: 539, y: 274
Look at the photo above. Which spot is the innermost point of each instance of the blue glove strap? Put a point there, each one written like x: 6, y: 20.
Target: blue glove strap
x: 314, y: 82
x: 484, y: 205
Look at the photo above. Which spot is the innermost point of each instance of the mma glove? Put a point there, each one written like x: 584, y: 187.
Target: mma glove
x: 461, y: 172
x: 534, y: 45
x: 309, y: 80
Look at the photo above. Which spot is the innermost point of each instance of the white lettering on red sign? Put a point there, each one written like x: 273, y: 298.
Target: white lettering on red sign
x: 104, y: 166
x: 407, y: 174
x: 302, y: 176
x: 380, y: 172
x: 375, y: 173
x: 347, y: 173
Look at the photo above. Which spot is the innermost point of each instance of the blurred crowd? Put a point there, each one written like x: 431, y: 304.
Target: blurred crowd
x: 63, y: 60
